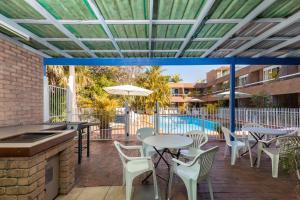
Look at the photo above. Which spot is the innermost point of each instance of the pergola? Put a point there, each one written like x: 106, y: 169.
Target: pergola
x: 156, y: 32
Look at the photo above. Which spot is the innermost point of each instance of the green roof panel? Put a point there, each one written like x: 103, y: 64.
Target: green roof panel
x: 136, y: 54
x: 97, y: 45
x: 86, y: 30
x: 52, y: 53
x: 66, y: 45
x: 170, y: 31
x: 79, y: 54
x: 201, y: 44
x: 133, y: 45
x: 75, y: 9
x: 193, y: 54
x: 163, y: 54
x: 232, y: 9
x: 214, y: 30
x: 282, y: 8
x: 108, y: 55
x: 178, y: 9
x: 44, y: 30
x: 125, y: 9
x: 18, y: 9
x: 34, y: 44
x: 160, y: 45
x: 129, y: 31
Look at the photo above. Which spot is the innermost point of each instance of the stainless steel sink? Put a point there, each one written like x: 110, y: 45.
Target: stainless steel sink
x: 28, y: 137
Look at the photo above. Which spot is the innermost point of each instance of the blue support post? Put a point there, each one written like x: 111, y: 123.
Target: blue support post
x: 232, y: 98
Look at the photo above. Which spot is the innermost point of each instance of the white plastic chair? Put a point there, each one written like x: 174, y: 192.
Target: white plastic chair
x: 283, y: 146
x: 193, y: 172
x: 135, y: 166
x: 143, y: 133
x: 235, y: 146
x: 199, y: 139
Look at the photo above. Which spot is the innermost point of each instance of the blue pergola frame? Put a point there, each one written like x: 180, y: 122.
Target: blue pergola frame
x: 232, y: 61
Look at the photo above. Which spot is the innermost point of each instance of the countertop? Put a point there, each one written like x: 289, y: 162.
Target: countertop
x: 17, y: 149
x: 9, y: 131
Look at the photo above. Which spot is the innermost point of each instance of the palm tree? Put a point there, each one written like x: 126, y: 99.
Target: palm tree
x: 158, y: 83
x: 176, y: 78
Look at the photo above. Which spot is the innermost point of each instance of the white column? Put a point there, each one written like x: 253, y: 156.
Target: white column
x: 46, y: 116
x: 71, y: 95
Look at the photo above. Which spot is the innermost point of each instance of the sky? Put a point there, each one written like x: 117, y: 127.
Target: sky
x: 189, y: 73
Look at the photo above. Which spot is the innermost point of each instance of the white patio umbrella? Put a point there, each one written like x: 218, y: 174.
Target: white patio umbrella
x: 196, y: 100
x: 226, y: 95
x: 127, y: 90
x: 238, y: 95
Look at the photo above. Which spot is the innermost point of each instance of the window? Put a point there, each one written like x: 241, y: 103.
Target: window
x: 271, y: 72
x: 186, y: 91
x: 243, y: 80
x: 175, y: 91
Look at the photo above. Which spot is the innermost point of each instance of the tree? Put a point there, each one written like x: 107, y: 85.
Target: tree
x: 153, y: 80
x: 176, y: 78
x: 261, y: 100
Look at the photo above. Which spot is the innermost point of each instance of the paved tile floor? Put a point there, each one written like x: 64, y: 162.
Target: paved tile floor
x: 100, y: 177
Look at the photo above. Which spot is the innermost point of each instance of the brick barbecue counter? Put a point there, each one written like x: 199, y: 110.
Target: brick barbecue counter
x: 22, y: 176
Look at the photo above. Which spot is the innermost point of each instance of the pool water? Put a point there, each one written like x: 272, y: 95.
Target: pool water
x: 182, y: 124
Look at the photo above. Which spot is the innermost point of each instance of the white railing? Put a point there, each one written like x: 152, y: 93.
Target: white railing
x: 112, y: 126
x: 57, y: 103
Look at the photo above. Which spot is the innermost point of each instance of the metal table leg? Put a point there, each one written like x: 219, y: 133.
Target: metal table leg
x: 79, y: 146
x: 88, y: 142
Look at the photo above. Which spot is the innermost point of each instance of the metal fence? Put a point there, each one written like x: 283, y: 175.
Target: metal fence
x: 172, y: 121
x: 57, y: 103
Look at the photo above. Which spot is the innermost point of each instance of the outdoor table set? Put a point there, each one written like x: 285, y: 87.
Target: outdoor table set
x: 259, y: 133
x: 167, y: 143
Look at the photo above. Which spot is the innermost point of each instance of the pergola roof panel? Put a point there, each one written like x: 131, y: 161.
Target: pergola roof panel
x: 233, y: 9
x: 44, y: 30
x: 193, y: 54
x: 86, y: 30
x: 163, y: 54
x: 291, y: 31
x: 136, y: 54
x: 108, y: 55
x: 155, y: 28
x: 214, y: 30
x: 34, y: 44
x: 179, y: 9
x: 129, y: 31
x: 170, y: 31
x: 66, y: 45
x: 133, y: 45
x: 266, y: 44
x: 201, y: 44
x: 124, y: 10
x: 96, y: 45
x: 282, y: 8
x: 218, y: 54
x: 253, y: 29
x: 159, y: 45
x: 75, y: 9
x: 18, y: 9
x: 79, y: 54
x: 233, y: 44
x: 51, y: 53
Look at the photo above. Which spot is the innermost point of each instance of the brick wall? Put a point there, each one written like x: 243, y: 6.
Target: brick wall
x: 21, y: 85
x: 24, y: 177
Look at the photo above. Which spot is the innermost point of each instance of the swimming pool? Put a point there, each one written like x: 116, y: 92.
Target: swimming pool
x: 182, y: 124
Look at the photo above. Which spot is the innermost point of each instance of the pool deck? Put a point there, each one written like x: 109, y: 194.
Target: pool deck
x: 101, y: 176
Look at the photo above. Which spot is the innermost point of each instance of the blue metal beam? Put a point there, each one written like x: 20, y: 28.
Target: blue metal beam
x: 232, y: 98
x: 170, y: 61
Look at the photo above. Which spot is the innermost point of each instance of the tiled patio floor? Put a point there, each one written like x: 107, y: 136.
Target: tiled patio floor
x: 103, y: 168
